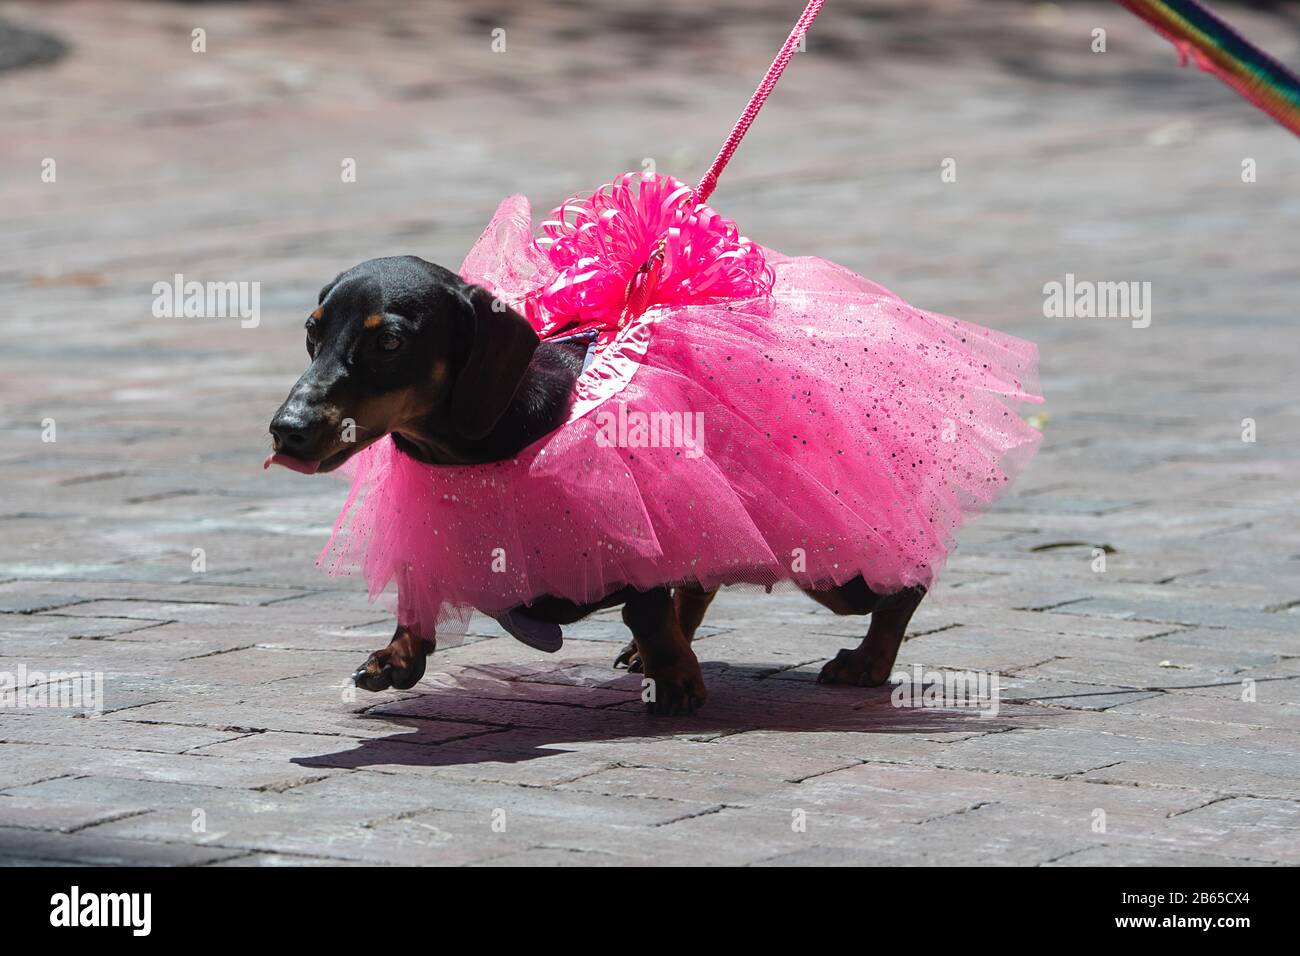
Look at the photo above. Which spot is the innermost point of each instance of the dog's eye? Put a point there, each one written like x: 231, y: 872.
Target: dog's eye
x: 388, y: 342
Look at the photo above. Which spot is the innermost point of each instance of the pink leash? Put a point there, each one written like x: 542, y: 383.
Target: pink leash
x: 705, y: 188
x: 641, y: 287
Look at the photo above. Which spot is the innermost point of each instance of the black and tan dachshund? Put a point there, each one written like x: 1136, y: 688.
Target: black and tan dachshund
x: 403, y: 347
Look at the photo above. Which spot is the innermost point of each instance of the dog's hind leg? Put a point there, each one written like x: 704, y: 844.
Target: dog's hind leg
x: 870, y: 664
x: 399, y: 665
x: 676, y: 685
x: 690, y: 602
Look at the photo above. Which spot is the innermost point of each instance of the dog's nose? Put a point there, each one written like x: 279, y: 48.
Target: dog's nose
x: 288, y: 434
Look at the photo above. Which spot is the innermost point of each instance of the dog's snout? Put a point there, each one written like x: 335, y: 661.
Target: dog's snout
x: 289, y: 432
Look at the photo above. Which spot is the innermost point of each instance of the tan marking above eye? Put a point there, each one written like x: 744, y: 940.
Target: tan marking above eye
x: 317, y: 314
x: 374, y: 321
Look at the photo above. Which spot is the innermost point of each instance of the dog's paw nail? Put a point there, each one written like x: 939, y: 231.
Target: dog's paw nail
x: 367, y: 678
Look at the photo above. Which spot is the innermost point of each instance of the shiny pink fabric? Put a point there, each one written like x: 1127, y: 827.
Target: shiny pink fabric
x: 820, y: 432
x: 590, y: 259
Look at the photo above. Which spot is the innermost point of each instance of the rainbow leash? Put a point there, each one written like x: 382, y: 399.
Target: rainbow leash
x: 1219, y: 49
x: 1197, y: 33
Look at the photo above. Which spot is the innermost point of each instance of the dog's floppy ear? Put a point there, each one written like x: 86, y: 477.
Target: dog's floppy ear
x: 502, y: 346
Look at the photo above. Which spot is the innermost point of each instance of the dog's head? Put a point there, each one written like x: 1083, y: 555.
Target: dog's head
x: 400, y: 344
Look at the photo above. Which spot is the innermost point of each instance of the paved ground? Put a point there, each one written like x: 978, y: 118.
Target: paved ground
x: 227, y: 736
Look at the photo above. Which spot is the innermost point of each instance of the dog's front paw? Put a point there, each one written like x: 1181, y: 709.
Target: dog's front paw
x: 675, y: 689
x: 629, y: 657
x: 856, y: 669
x: 400, y: 665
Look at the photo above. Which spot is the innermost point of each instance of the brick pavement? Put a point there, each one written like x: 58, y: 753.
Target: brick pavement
x: 227, y: 736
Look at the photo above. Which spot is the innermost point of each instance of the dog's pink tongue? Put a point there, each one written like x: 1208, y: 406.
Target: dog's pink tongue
x: 293, y: 464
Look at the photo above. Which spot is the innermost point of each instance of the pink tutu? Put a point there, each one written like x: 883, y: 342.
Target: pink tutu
x: 819, y: 431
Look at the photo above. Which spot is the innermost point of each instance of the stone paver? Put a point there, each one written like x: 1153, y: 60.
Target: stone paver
x: 227, y: 734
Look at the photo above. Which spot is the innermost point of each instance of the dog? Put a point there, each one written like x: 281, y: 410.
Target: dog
x: 402, y: 347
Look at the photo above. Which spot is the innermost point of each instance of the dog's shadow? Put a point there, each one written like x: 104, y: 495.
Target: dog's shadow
x: 510, y: 714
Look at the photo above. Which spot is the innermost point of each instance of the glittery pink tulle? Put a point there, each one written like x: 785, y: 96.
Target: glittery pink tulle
x: 820, y: 432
